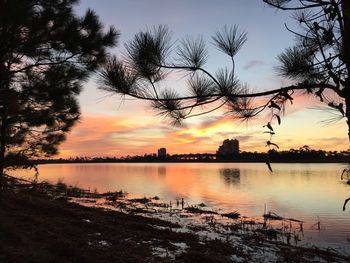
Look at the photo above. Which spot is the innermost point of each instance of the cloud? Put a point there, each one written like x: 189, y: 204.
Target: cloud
x: 328, y: 143
x: 137, y: 134
x: 103, y: 135
x: 100, y: 135
x: 253, y: 63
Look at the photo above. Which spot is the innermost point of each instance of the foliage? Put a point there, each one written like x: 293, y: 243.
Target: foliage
x: 318, y: 65
x: 321, y: 54
x: 151, y: 56
x: 46, y: 51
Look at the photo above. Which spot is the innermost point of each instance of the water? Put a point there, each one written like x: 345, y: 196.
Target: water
x: 308, y: 192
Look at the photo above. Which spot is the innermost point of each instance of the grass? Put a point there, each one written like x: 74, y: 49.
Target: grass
x: 197, y: 210
x: 232, y: 215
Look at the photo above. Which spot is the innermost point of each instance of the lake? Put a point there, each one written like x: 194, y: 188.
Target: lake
x: 308, y: 192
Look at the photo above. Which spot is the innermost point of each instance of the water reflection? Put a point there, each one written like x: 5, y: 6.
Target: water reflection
x: 308, y: 192
x: 231, y: 176
x: 161, y: 171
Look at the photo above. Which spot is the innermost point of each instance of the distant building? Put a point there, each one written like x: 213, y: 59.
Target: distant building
x: 162, y: 153
x: 228, y: 148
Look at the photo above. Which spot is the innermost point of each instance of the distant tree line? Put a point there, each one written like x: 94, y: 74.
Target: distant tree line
x: 302, y: 154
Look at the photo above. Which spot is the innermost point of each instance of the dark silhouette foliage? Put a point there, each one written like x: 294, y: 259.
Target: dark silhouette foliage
x: 319, y: 62
x: 318, y: 65
x: 46, y: 51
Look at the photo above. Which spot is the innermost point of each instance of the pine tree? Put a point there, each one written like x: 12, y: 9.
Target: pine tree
x: 318, y: 65
x: 46, y: 52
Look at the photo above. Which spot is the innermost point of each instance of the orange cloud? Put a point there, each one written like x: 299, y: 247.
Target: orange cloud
x: 137, y: 134
x: 99, y: 135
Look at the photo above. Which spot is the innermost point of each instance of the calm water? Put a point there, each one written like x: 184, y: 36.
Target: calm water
x: 308, y: 192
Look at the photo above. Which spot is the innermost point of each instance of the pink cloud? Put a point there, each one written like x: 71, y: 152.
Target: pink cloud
x: 137, y: 134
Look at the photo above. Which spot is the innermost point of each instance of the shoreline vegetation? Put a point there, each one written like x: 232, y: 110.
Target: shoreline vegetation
x: 42, y: 222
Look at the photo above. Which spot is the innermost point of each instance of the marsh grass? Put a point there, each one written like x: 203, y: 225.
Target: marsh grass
x: 232, y: 215
x: 198, y: 210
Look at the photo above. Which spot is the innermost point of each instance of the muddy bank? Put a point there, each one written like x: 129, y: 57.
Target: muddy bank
x: 43, y: 224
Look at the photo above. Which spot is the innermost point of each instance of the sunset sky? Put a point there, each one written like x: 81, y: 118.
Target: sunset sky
x: 112, y: 127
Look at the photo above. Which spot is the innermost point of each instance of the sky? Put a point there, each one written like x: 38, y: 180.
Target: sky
x: 110, y: 126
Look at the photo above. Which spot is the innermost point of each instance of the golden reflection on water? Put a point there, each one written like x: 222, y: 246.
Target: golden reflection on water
x: 308, y: 192
x: 232, y: 186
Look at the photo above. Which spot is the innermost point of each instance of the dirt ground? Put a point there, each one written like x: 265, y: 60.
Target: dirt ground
x: 37, y: 227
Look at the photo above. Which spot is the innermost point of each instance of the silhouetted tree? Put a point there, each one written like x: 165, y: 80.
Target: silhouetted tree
x: 46, y: 51
x: 318, y: 64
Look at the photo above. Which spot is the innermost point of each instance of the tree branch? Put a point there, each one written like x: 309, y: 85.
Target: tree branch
x: 249, y: 95
x: 43, y: 64
x: 320, y: 3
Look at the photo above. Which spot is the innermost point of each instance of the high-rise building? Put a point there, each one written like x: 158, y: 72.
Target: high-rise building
x: 162, y: 153
x: 228, y: 148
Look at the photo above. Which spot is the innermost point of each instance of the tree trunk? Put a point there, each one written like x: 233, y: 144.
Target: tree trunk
x: 2, y: 149
x: 3, y: 123
x: 346, y: 44
x: 347, y: 112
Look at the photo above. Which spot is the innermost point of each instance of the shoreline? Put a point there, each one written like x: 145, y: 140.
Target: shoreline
x: 198, y: 161
x: 185, y: 232
x: 213, y: 222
